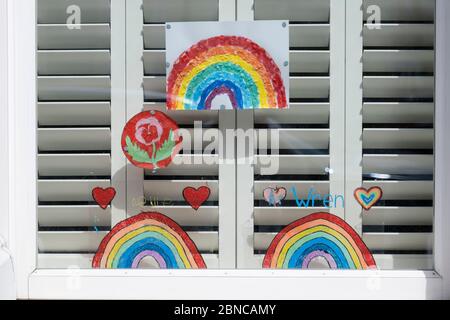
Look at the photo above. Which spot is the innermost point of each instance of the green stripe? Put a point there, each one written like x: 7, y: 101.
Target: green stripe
x: 247, y: 85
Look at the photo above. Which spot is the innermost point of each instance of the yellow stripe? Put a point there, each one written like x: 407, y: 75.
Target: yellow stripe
x: 309, y: 231
x: 220, y: 59
x: 137, y: 232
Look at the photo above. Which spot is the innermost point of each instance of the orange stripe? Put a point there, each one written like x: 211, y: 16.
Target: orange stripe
x: 311, y: 224
x: 230, y: 50
x: 136, y: 226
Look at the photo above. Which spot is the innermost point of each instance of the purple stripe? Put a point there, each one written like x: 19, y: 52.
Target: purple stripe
x: 221, y: 90
x: 151, y: 253
x: 319, y: 253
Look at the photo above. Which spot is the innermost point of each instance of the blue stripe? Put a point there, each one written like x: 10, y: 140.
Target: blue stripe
x: 217, y: 84
x: 126, y: 260
x: 225, y: 72
x: 315, y: 244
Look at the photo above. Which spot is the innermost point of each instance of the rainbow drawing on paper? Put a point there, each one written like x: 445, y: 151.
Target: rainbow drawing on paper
x: 319, y: 235
x: 149, y: 234
x: 224, y: 70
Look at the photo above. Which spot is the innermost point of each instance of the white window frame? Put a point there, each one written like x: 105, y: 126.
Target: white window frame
x: 19, y: 178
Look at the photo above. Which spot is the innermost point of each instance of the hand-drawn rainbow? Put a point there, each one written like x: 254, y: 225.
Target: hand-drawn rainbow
x: 148, y: 234
x: 318, y: 235
x: 225, y: 65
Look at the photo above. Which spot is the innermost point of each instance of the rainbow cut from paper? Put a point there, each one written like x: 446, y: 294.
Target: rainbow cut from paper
x: 149, y: 234
x: 224, y: 70
x: 319, y: 235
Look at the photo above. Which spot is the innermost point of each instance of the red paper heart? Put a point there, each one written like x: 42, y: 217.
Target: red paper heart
x: 196, y: 197
x: 103, y: 197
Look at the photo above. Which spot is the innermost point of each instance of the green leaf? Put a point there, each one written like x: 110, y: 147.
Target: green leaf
x: 166, y: 149
x: 136, y: 153
x: 139, y: 155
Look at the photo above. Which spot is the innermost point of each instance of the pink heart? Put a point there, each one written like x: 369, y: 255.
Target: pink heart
x: 274, y: 196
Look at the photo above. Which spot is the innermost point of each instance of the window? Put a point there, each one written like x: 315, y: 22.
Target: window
x: 77, y: 121
x: 362, y: 115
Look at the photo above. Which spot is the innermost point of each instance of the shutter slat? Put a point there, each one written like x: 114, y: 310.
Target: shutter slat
x: 402, y: 10
x: 378, y: 241
x: 375, y: 241
x: 414, y: 216
x: 173, y: 189
x: 394, y: 35
x: 307, y: 113
x: 309, y: 61
x: 412, y: 164
x: 398, y: 60
x: 58, y: 36
x: 309, y: 35
x: 69, y: 190
x: 300, y: 36
x: 183, y: 117
x: 309, y: 88
x: 154, y: 88
x: 84, y: 261
x: 283, y: 215
x: 180, y: 10
x: 88, y: 241
x: 191, y: 145
x: 318, y: 10
x: 403, y: 190
x: 71, y: 139
x: 93, y: 113
x: 395, y: 138
x: 51, y: 11
x: 75, y: 88
x: 397, y: 112
x: 74, y: 165
x: 201, y: 165
x: 295, y: 164
x: 154, y: 36
x: 74, y: 216
x: 74, y: 62
x: 69, y: 241
x: 184, y: 215
x: 398, y: 87
x: 300, y: 139
x: 154, y: 62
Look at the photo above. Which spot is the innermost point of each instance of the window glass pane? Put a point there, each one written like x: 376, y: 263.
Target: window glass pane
x: 327, y: 201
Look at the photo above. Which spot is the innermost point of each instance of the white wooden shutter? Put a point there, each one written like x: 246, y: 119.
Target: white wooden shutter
x: 362, y: 106
x: 398, y: 131
x: 162, y: 190
x: 76, y: 120
x: 304, y: 129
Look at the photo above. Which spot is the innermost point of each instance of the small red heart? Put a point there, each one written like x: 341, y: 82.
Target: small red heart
x: 103, y: 197
x: 196, y: 197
